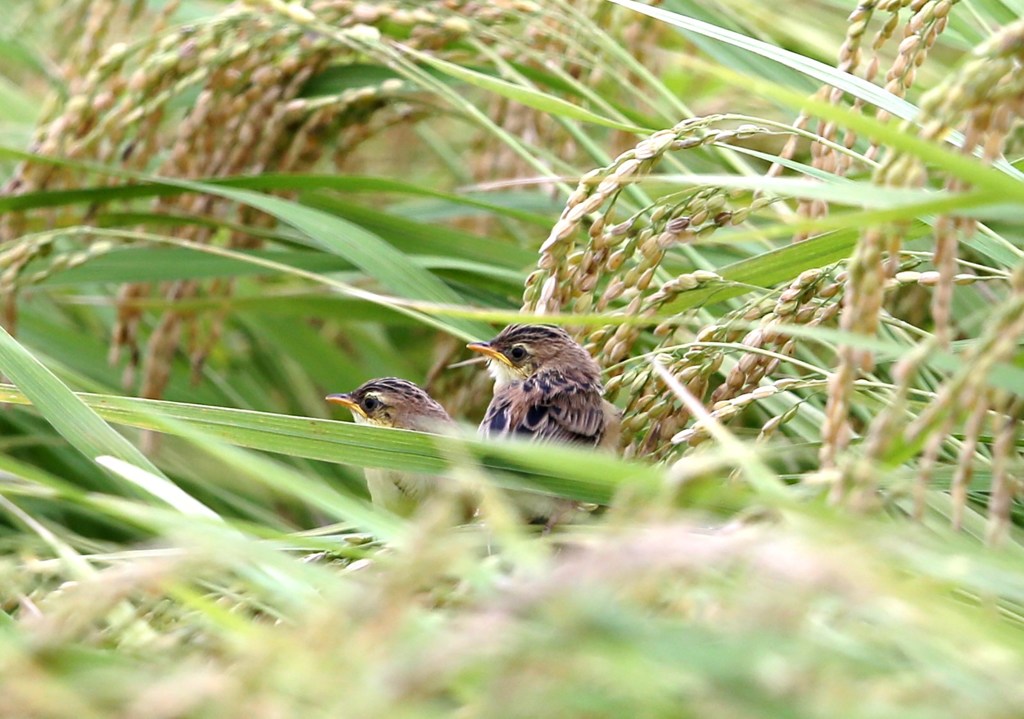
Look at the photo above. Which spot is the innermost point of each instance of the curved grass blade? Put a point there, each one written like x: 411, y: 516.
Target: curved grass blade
x: 269, y: 181
x: 62, y: 408
x: 364, y: 249
x: 519, y: 93
x: 567, y: 471
x: 158, y: 486
x: 855, y: 86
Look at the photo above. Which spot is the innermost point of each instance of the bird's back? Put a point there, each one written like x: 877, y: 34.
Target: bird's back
x: 550, y: 405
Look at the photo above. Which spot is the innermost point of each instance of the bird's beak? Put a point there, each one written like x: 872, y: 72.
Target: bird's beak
x: 345, y: 400
x: 485, y: 349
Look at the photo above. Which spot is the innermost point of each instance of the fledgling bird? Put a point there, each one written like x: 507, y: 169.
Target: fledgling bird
x: 547, y: 387
x: 398, y: 403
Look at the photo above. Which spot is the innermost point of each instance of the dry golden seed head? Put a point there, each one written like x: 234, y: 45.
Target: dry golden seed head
x: 598, y: 336
x: 684, y: 283
x: 583, y: 304
x: 631, y: 277
x: 687, y: 143
x: 645, y: 402
x: 805, y: 314
x: 548, y: 291
x: 593, y: 176
x: 830, y: 290
x: 909, y: 44
x: 746, y: 365
x: 625, y: 169
x: 707, y: 334
x: 613, y: 384
x: 547, y: 262
x: 660, y: 410
x: 588, y: 283
x: 790, y: 294
x: 633, y: 424
x: 638, y: 383
x: 622, y: 229
x: 616, y: 352
x: 699, y: 217
x: 614, y: 290
x: 699, y: 437
x: 607, y: 187
x: 577, y: 196
x: 723, y: 218
x: 616, y: 260
x: 715, y: 201
x: 597, y: 258
x: 655, y: 145
x: 644, y: 280
x: 561, y: 231
x: 677, y: 225
x: 591, y: 204
x: 784, y: 309
x: 763, y: 392
x: 688, y: 374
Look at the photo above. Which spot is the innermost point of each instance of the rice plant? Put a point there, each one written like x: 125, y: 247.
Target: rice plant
x: 791, y: 240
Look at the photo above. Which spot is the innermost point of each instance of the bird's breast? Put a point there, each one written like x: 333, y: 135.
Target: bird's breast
x: 501, y: 373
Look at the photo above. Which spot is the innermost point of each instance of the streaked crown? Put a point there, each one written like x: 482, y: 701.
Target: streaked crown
x: 531, y: 334
x: 520, y: 351
x: 393, y: 402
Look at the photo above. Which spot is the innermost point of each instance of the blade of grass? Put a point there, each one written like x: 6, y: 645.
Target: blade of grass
x: 570, y: 471
x: 521, y: 94
x: 62, y: 408
x: 855, y: 86
x: 363, y: 248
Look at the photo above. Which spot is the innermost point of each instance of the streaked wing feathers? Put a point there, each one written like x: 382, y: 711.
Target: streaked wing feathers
x: 548, y: 406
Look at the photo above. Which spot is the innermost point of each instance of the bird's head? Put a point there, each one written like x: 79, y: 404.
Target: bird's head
x: 392, y: 402
x: 520, y: 351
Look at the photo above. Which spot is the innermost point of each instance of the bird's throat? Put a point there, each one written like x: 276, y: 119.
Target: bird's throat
x: 502, y: 373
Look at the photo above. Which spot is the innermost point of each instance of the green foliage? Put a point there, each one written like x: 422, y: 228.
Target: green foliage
x: 229, y: 211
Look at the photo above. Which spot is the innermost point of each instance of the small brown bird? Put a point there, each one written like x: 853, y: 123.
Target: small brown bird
x: 546, y: 387
x: 398, y: 403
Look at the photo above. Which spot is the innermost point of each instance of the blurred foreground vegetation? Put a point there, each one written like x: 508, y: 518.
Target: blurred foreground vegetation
x: 792, y: 239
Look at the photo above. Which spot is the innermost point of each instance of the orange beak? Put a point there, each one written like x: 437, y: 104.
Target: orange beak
x: 485, y: 349
x: 345, y: 400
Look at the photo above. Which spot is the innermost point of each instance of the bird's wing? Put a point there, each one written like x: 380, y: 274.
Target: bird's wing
x: 548, y: 406
x: 496, y: 420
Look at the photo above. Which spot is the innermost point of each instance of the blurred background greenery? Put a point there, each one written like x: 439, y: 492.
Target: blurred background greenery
x: 790, y: 236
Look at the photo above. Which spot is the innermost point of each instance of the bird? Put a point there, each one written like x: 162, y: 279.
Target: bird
x: 397, y: 403
x: 548, y: 388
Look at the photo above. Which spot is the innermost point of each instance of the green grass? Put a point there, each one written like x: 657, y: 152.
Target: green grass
x: 184, y: 526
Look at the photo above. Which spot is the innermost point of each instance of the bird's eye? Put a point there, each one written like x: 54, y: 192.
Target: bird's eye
x: 517, y: 353
x: 370, y: 403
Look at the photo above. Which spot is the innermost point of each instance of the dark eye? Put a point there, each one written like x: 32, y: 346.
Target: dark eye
x: 370, y: 403
x: 517, y: 353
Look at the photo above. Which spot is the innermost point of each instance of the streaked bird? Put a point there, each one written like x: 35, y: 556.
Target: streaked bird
x: 398, y: 403
x: 546, y: 387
